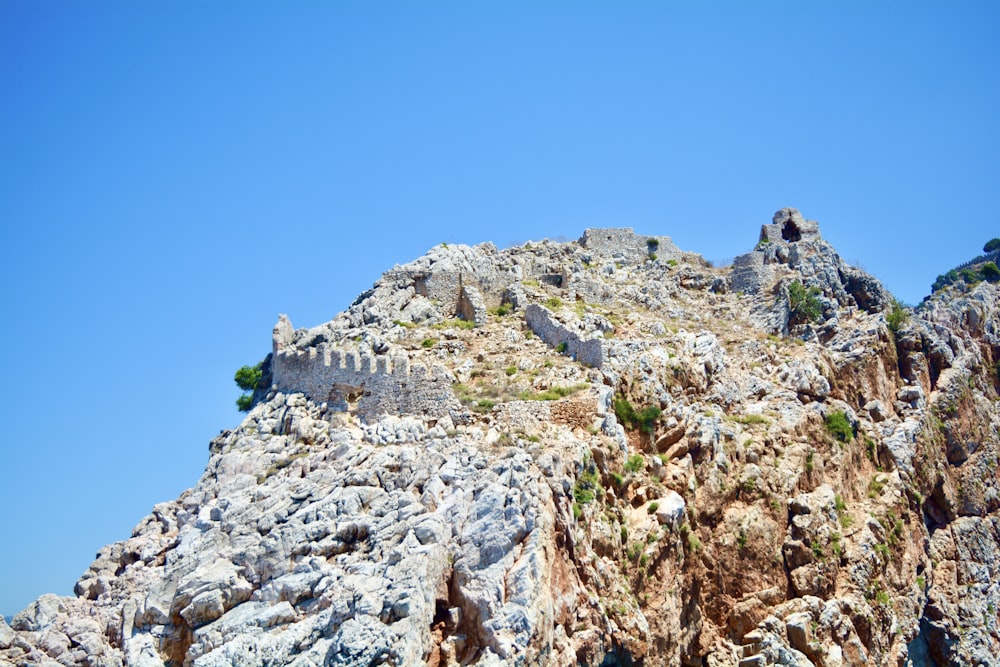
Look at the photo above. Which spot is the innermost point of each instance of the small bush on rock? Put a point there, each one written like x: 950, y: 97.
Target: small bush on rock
x: 839, y: 426
x: 897, y: 315
x: 990, y: 272
x: 803, y: 305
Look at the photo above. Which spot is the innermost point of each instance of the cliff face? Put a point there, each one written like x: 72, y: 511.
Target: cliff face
x: 616, y: 455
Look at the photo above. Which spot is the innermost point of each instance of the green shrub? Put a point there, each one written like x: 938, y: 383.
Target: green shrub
x: 652, y: 507
x: 502, y: 310
x: 897, y: 315
x: 429, y: 343
x: 803, y: 305
x: 244, y: 402
x: 839, y: 504
x: 624, y: 411
x: 839, y: 427
x: 562, y: 347
x: 992, y: 245
x: 553, y: 303
x: 586, y: 485
x: 835, y: 546
x: 511, y: 370
x: 629, y: 418
x: 635, y: 463
x: 583, y: 494
x: 741, y: 538
x: 647, y: 417
x: 990, y: 272
x: 247, y: 377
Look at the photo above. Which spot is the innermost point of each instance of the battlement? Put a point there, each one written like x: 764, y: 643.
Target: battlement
x: 345, y: 363
x: 381, y: 384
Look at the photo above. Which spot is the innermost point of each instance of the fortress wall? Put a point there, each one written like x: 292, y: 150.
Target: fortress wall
x: 624, y: 244
x: 588, y: 351
x: 323, y: 371
x: 749, y: 273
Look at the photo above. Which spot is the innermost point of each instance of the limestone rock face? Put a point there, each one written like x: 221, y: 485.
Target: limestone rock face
x: 591, y: 453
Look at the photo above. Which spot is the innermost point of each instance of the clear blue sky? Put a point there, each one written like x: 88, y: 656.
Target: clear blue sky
x: 175, y: 174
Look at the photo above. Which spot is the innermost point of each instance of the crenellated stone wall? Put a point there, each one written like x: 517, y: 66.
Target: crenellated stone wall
x: 379, y: 383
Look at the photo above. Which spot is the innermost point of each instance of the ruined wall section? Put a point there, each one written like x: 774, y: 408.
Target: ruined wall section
x: 624, y: 245
x: 381, y: 384
x: 455, y: 276
x: 587, y: 351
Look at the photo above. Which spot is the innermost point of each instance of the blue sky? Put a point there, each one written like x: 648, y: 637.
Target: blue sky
x: 175, y: 174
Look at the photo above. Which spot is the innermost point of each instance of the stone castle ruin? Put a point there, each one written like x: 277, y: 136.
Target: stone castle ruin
x: 460, y: 281
x: 449, y: 281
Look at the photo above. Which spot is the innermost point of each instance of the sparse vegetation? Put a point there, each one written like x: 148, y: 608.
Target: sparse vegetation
x: 502, y: 310
x: 483, y: 405
x: 635, y: 463
x: 553, y: 303
x: 748, y: 420
x: 875, y: 486
x: 551, y: 394
x: 587, y: 483
x: 428, y: 343
x: 562, y: 347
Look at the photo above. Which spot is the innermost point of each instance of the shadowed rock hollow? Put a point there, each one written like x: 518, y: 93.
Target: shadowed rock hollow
x: 604, y: 452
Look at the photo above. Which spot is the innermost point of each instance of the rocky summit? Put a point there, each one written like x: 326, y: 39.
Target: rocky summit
x: 601, y: 452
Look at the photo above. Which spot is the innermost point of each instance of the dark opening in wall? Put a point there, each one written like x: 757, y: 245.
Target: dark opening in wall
x: 790, y: 232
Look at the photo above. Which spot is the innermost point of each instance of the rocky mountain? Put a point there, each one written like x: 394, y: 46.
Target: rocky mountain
x: 603, y: 452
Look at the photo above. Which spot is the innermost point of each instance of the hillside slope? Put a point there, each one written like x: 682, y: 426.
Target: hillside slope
x: 603, y: 452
